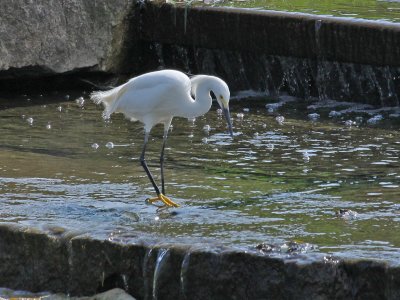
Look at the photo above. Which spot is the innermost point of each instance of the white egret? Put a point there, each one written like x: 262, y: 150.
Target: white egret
x: 157, y: 97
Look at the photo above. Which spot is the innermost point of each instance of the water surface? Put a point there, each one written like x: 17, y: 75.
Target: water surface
x: 283, y: 177
x: 384, y: 10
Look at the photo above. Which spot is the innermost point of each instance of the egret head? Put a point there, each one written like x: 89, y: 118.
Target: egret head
x: 221, y: 92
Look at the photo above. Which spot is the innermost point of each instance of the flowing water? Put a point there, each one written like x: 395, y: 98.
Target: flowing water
x: 284, y: 177
x: 383, y: 10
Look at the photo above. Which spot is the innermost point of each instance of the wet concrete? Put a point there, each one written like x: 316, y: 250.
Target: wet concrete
x: 274, y: 33
x: 78, y: 265
x: 277, y: 52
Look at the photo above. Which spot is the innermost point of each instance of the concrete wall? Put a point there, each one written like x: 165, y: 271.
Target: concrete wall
x: 38, y: 261
x: 304, y: 55
x: 274, y: 33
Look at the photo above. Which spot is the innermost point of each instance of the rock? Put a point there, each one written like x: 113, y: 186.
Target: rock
x: 53, y: 37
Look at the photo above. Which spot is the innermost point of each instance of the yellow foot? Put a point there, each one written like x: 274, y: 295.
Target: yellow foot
x: 167, y: 202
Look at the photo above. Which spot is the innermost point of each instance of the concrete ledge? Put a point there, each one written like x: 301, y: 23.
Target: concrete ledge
x: 274, y: 33
x: 38, y: 261
x: 276, y: 52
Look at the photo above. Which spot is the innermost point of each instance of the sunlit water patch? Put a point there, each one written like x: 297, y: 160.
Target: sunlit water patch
x: 383, y: 10
x: 284, y: 177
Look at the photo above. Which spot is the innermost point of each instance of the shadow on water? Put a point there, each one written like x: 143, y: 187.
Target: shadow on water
x: 291, y: 170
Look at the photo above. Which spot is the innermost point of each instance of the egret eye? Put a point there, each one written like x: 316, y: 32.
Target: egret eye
x: 221, y: 97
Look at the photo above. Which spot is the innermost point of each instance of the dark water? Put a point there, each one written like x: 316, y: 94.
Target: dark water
x: 384, y: 10
x: 283, y: 177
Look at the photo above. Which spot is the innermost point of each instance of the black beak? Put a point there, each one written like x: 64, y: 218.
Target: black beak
x: 228, y: 119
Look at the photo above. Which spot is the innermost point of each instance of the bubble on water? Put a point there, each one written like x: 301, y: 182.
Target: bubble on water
x: 28, y: 99
x: 215, y: 149
x: 246, y: 109
x: 207, y: 128
x: 314, y: 116
x: 334, y: 114
x: 240, y: 115
x: 48, y: 126
x: 190, y: 136
x: 192, y: 120
x: 264, y: 125
x: 375, y: 119
x: 110, y: 145
x: 255, y: 134
x: 280, y: 119
x: 80, y: 102
x: 23, y: 116
x: 156, y: 218
x: 95, y: 146
x: 306, y: 157
x: 349, y: 123
x: 270, y: 147
x: 219, y: 112
x: 30, y: 120
x: 271, y: 110
x: 66, y: 97
x: 59, y: 108
x: 204, y: 140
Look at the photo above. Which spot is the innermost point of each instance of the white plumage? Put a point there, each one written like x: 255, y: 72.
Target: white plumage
x: 157, y: 97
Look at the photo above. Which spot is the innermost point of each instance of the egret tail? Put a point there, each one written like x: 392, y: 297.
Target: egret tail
x: 108, y: 98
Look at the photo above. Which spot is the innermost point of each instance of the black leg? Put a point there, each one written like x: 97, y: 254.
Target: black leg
x: 162, y: 164
x: 160, y: 197
x: 144, y: 165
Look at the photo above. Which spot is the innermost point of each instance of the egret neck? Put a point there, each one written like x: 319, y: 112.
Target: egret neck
x: 201, y: 104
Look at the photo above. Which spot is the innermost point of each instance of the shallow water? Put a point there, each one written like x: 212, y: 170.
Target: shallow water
x: 283, y: 177
x: 384, y: 10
